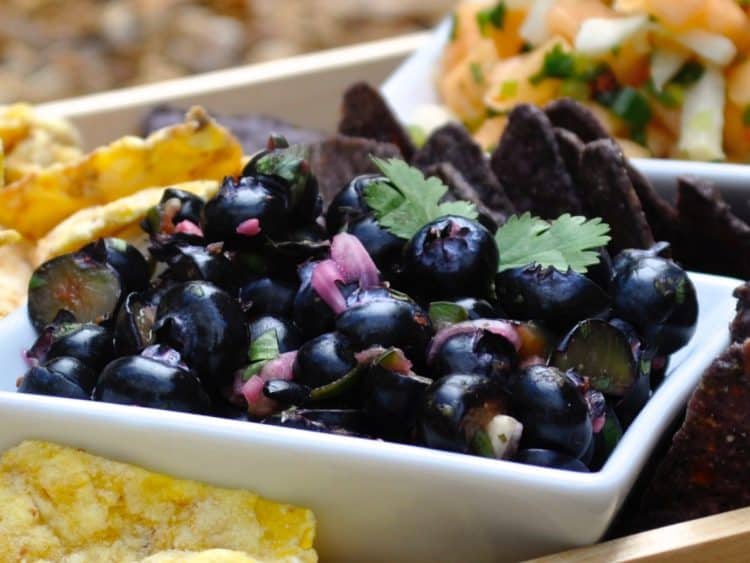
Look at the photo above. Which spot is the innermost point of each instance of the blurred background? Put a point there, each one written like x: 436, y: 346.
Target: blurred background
x: 50, y: 49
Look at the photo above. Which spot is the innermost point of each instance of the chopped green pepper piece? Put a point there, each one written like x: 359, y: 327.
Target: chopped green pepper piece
x: 494, y: 16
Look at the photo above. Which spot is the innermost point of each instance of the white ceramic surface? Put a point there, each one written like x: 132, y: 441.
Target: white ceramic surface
x: 413, y: 84
x: 376, y: 501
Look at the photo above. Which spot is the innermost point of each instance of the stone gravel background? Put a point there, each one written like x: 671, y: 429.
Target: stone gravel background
x: 52, y: 49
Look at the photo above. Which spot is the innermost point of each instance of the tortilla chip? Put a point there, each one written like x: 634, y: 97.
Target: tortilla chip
x: 63, y: 504
x: 528, y: 164
x: 109, y: 219
x: 15, y: 273
x: 198, y: 149
x: 609, y: 194
x: 365, y: 113
x: 453, y: 144
x: 34, y: 141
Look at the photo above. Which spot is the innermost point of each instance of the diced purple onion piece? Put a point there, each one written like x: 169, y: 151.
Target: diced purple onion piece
x: 354, y: 261
x: 249, y: 228
x: 325, y: 278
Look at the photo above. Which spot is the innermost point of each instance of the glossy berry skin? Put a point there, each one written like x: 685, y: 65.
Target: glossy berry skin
x: 146, y: 382
x: 449, y: 258
x: 287, y: 335
x: 550, y: 458
x: 324, y: 359
x: 60, y: 377
x: 241, y: 200
x: 349, y: 203
x: 387, y: 321
x: 479, y: 352
x: 206, y: 326
x: 657, y: 297
x: 383, y: 247
x: 446, y: 404
x: 266, y: 296
x: 188, y: 262
x: 125, y: 258
x: 552, y: 410
x: 558, y: 299
x: 391, y: 400
x: 477, y: 308
x: 90, y: 343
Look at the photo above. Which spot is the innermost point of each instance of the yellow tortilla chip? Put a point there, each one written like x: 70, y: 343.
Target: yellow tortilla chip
x: 15, y: 273
x: 34, y: 141
x: 9, y: 236
x: 62, y: 504
x: 110, y: 219
x: 198, y: 149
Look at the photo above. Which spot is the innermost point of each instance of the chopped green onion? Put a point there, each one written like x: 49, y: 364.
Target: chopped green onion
x: 417, y: 135
x: 632, y: 106
x: 494, y: 16
x: 476, y: 73
x: 690, y: 73
x: 560, y: 64
x: 508, y: 89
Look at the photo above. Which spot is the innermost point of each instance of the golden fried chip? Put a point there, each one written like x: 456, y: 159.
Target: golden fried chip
x: 111, y: 219
x: 208, y: 556
x: 34, y: 141
x: 59, y: 503
x: 9, y: 236
x: 198, y: 149
x: 15, y: 273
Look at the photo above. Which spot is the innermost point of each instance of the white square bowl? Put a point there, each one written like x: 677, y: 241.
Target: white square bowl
x: 376, y: 501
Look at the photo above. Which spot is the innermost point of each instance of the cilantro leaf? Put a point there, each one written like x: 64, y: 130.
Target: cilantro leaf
x: 567, y: 242
x: 409, y: 200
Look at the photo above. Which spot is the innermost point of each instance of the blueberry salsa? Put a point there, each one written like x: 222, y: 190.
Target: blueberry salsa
x: 260, y: 305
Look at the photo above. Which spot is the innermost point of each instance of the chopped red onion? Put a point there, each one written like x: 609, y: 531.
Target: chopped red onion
x: 501, y: 328
x: 248, y: 228
x: 279, y: 368
x: 324, y: 281
x: 354, y: 261
x: 188, y: 228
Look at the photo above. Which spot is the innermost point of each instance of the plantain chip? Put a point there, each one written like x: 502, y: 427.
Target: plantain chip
x: 117, y: 218
x: 197, y: 149
x: 15, y: 273
x: 34, y: 141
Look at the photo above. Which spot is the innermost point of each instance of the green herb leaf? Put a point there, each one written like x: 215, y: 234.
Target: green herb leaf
x: 262, y: 350
x: 567, y: 242
x: 445, y: 313
x: 493, y: 16
x: 476, y: 72
x: 409, y: 200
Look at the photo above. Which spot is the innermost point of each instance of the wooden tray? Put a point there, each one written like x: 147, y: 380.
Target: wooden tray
x: 289, y: 88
